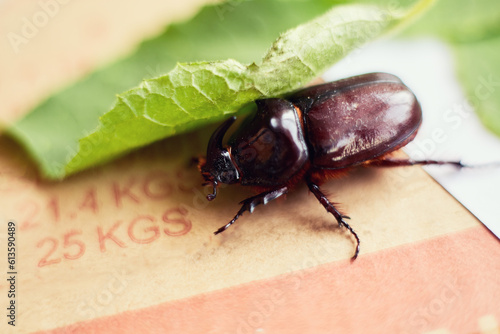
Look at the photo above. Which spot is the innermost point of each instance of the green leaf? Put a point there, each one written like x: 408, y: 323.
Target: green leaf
x: 478, y: 69
x: 239, y: 29
x: 473, y: 30
x: 65, y: 135
x: 459, y: 21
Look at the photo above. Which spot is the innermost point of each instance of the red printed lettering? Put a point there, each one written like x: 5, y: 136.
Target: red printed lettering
x: 90, y: 201
x: 45, y: 259
x: 187, y: 182
x: 169, y: 218
x: 30, y: 209
x: 109, y: 235
x: 154, y: 229
x: 80, y: 246
x: 126, y: 191
x: 53, y: 206
x: 157, y: 185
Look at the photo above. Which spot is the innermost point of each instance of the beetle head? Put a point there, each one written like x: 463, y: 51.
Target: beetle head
x: 218, y: 166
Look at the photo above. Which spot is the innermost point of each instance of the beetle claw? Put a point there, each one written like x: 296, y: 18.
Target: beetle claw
x: 223, y: 228
x: 347, y: 226
x: 314, y: 188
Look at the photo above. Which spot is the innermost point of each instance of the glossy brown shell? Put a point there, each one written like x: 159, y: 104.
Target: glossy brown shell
x: 357, y: 119
x: 269, y: 148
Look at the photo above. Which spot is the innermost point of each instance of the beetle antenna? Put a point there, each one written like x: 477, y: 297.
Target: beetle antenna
x: 212, y: 196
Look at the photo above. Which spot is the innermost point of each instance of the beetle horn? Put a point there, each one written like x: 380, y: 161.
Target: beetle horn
x: 215, y: 152
x: 215, y: 143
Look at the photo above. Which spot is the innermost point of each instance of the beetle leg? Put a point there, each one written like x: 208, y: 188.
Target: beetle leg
x: 410, y: 162
x: 250, y: 203
x: 314, y: 188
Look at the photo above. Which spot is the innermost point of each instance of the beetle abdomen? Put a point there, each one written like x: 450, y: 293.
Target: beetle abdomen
x: 360, y: 122
x: 269, y: 148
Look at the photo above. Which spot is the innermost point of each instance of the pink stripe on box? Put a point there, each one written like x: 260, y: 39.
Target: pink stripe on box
x: 450, y: 282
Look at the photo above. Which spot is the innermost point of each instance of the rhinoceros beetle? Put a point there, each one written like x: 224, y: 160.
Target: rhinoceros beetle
x: 315, y: 134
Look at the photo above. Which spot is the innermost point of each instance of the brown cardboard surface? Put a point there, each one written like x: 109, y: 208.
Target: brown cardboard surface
x: 138, y: 232
x: 141, y: 227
